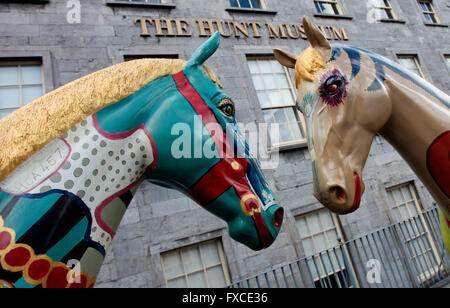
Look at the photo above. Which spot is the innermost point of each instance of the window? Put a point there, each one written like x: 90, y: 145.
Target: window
x: 249, y: 4
x: 328, y: 7
x: 319, y: 232
x: 277, y: 100
x: 414, y: 230
x: 428, y: 11
x: 20, y: 83
x: 385, y: 9
x: 411, y: 62
x: 197, y: 266
x: 447, y: 60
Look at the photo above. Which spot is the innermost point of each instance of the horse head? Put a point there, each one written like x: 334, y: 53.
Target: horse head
x: 344, y: 104
x: 218, y: 171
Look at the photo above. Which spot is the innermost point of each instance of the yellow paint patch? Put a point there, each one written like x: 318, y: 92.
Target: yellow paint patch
x: 307, y: 65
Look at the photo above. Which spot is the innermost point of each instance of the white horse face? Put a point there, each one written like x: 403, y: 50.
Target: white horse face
x: 341, y: 118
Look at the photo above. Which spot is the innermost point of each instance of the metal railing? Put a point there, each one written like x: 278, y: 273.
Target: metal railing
x: 409, y: 254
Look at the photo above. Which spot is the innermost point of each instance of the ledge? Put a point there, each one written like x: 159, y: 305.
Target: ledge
x: 251, y: 11
x: 435, y: 25
x: 398, y: 21
x: 287, y: 147
x: 333, y: 16
x: 28, y: 1
x: 141, y: 4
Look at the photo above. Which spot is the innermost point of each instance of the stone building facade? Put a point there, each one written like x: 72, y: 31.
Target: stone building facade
x: 161, y: 228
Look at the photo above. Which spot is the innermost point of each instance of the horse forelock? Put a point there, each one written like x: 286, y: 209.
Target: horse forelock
x: 28, y: 129
x: 308, y: 63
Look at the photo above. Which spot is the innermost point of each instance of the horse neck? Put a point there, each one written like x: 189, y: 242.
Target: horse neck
x: 417, y: 119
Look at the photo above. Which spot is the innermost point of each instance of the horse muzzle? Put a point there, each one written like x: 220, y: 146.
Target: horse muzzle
x: 340, y: 199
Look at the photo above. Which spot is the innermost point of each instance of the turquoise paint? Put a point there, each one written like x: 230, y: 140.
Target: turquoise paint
x: 68, y: 242
x: 28, y: 211
x: 22, y: 284
x: 4, y: 200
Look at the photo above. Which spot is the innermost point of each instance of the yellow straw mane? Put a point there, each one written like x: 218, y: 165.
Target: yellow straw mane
x: 28, y: 129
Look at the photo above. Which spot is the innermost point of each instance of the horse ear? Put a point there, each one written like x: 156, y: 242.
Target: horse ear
x: 316, y: 37
x: 206, y: 50
x: 285, y: 58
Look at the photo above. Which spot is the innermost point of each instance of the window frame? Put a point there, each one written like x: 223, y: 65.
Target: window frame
x: 446, y: 57
x: 262, y: 4
x: 185, y: 274
x: 416, y: 60
x: 19, y: 63
x: 302, y: 125
x: 431, y: 13
x: 389, y: 8
x: 322, y: 279
x: 428, y: 273
x: 333, y: 3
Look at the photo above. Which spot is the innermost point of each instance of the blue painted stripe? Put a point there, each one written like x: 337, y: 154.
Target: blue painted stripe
x: 355, y: 59
x: 382, y: 62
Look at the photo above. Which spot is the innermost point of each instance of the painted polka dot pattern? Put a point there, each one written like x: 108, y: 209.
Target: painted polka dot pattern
x: 98, y: 168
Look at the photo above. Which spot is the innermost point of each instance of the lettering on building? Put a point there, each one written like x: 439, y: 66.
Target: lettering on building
x: 238, y: 29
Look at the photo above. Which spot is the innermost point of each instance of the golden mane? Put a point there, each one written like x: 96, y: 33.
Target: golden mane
x: 307, y: 65
x: 28, y: 129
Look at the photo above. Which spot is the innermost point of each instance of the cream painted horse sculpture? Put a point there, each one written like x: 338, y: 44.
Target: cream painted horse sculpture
x: 347, y: 95
x: 71, y: 161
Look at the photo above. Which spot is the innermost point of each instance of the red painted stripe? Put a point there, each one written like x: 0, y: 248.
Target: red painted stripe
x: 218, y: 179
x: 203, y: 110
x: 242, y: 188
x: 357, y: 199
x: 438, y: 162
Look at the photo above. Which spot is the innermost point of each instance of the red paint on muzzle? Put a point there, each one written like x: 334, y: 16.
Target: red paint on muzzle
x: 358, y: 193
x: 252, y: 205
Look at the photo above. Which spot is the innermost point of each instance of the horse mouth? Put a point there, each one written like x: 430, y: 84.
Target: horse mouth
x: 265, y: 238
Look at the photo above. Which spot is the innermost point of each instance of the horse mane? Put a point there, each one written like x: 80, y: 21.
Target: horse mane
x: 28, y: 129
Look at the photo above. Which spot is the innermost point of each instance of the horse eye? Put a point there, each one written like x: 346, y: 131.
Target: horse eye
x: 332, y: 87
x: 227, y: 107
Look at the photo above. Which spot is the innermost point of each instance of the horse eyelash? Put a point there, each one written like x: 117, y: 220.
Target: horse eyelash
x: 338, y: 96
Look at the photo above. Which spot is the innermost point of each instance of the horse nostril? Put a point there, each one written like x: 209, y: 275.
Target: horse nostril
x: 278, y: 217
x: 337, y: 193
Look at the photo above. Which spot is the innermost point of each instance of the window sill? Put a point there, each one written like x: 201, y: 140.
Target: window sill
x: 29, y: 1
x: 333, y: 16
x: 254, y: 11
x: 398, y: 21
x: 435, y: 25
x: 141, y: 4
x: 288, y: 146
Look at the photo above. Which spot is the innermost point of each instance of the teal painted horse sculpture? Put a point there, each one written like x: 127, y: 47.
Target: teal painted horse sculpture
x: 65, y: 201
x: 348, y: 95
